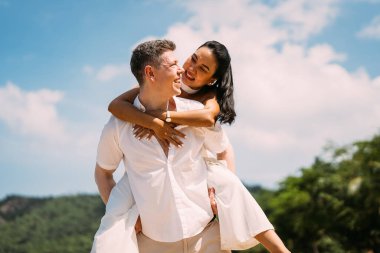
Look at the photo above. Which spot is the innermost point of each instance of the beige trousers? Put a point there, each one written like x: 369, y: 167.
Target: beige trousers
x: 208, y: 241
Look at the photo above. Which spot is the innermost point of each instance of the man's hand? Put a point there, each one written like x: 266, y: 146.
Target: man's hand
x: 138, y: 226
x: 211, y: 194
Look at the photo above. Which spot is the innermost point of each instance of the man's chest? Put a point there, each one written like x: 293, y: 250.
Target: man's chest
x: 150, y: 152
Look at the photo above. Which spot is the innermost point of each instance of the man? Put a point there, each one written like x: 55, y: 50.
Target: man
x: 168, y: 184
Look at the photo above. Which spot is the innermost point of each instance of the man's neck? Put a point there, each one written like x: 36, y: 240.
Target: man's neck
x: 151, y: 101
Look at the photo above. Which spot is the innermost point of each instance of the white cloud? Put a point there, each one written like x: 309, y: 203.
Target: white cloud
x: 31, y: 112
x: 303, y: 18
x: 110, y: 72
x: 107, y: 72
x: 43, y: 144
x: 372, y: 30
x: 290, y: 98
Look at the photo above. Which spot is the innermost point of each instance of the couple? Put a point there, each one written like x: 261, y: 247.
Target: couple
x: 169, y: 143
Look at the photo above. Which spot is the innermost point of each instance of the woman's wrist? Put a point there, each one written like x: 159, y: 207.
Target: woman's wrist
x: 164, y: 115
x: 157, y: 124
x: 160, y: 114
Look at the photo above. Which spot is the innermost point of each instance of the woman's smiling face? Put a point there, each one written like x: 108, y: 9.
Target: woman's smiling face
x: 199, y: 68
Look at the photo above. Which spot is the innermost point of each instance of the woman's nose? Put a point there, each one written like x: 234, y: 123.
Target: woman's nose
x: 191, y: 69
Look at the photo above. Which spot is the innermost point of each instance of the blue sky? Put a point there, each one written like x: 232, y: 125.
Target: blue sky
x: 306, y: 72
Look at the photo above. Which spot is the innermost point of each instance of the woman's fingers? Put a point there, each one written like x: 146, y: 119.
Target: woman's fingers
x: 136, y: 127
x: 175, y: 141
x: 163, y: 143
x: 141, y: 132
x: 137, y: 130
x: 177, y: 133
x: 144, y: 133
x: 172, y: 136
x: 151, y: 133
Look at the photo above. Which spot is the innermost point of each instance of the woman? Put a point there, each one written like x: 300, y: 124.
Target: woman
x: 208, y: 79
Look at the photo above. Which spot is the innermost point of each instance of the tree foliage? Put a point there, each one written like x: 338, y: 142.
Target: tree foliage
x: 63, y: 224
x: 334, y: 205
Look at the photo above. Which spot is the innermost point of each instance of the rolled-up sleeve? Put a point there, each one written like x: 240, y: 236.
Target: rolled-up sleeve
x: 216, y: 140
x: 109, y: 153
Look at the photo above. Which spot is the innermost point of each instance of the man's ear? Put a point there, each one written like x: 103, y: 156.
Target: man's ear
x: 149, y: 73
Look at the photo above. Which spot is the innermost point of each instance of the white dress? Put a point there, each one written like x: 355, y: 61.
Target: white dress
x: 240, y: 217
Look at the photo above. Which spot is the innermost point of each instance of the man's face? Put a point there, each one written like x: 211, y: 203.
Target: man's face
x: 168, y: 75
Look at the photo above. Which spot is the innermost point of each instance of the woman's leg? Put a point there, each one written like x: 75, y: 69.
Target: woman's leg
x: 243, y: 224
x: 116, y: 232
x: 272, y: 242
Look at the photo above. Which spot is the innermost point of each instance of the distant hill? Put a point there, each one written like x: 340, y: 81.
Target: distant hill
x: 49, y: 225
x: 53, y: 225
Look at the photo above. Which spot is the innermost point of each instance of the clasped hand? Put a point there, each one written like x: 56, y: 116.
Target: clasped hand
x: 164, y: 132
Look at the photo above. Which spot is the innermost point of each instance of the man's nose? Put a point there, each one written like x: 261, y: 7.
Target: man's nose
x: 181, y: 70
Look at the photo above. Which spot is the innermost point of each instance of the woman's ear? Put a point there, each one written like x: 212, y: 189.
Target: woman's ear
x: 149, y: 73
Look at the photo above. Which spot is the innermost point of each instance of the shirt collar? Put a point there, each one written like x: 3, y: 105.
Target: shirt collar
x: 137, y: 103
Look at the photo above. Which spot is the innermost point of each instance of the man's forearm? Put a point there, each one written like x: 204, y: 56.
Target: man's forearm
x: 105, y: 182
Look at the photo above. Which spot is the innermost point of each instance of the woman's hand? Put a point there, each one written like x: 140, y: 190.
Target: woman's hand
x: 164, y: 131
x: 141, y: 132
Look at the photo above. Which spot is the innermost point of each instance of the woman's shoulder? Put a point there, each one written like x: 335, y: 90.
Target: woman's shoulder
x: 205, y: 95
x: 185, y: 104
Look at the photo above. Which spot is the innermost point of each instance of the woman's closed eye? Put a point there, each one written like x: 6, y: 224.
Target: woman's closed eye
x: 203, y: 69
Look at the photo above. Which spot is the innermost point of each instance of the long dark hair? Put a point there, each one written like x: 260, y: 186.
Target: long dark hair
x: 224, y: 86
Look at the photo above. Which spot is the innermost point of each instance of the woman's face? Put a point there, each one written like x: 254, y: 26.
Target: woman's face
x: 199, y: 68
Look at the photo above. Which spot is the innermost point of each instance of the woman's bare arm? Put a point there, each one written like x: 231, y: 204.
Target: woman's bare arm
x: 122, y: 108
x: 205, y: 117
x: 199, y: 118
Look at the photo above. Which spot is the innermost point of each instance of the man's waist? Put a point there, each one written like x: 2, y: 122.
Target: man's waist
x: 174, y: 232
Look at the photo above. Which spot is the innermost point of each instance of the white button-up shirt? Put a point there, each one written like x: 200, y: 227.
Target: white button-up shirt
x: 170, y: 191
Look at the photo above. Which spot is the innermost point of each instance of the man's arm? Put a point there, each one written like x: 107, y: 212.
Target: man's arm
x: 108, y: 158
x: 105, y: 182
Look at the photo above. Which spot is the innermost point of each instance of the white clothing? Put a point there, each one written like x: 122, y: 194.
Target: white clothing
x: 116, y: 233
x: 207, y: 241
x: 240, y: 217
x: 170, y: 192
